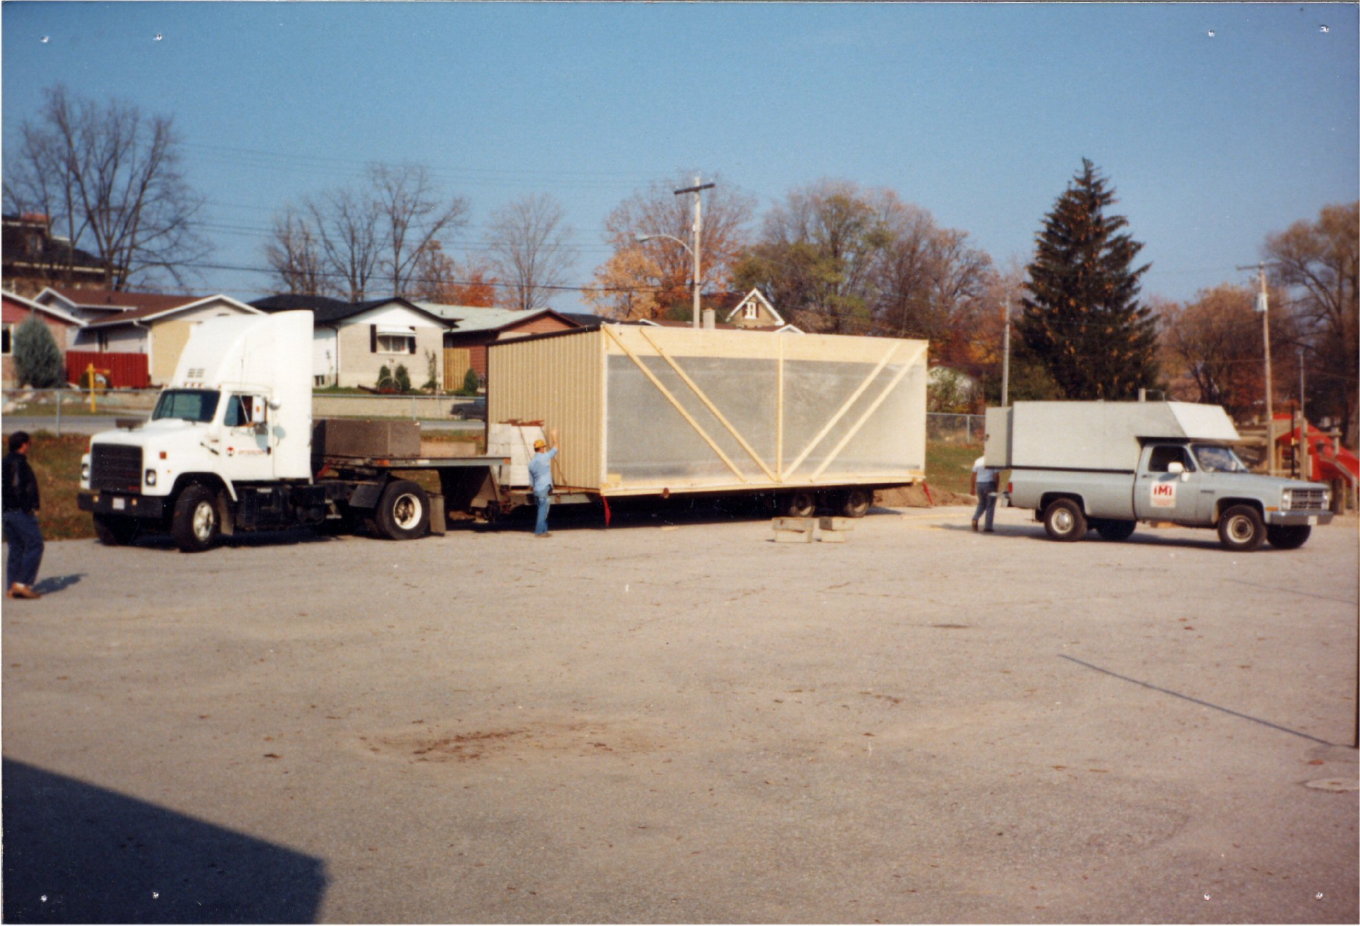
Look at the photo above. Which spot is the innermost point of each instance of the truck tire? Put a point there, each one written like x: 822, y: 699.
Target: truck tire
x: 116, y: 530
x: 1288, y: 537
x: 1112, y: 529
x: 1064, y: 520
x: 800, y: 504
x: 195, y: 524
x: 855, y: 503
x: 1241, y: 529
x: 403, y: 512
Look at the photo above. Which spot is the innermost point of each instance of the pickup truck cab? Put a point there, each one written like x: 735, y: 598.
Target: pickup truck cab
x: 1109, y: 465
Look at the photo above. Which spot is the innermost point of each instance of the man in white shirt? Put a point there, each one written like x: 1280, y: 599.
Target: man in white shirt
x: 984, y: 486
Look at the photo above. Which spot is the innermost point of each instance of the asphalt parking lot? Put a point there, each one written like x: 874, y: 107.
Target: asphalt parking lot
x: 680, y: 720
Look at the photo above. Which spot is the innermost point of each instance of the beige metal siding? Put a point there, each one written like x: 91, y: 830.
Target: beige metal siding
x: 558, y: 381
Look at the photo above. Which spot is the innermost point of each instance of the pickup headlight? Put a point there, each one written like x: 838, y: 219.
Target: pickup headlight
x: 1287, y: 500
x: 151, y: 477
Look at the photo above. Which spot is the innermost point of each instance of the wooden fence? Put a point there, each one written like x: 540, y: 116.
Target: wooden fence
x: 121, y: 371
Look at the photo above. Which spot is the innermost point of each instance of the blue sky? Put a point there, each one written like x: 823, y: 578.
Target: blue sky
x: 1217, y: 124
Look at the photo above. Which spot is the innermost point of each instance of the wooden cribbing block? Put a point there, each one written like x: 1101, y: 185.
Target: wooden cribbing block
x: 794, y: 530
x: 834, y: 529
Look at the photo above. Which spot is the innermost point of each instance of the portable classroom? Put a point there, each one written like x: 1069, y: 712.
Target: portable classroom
x: 651, y: 410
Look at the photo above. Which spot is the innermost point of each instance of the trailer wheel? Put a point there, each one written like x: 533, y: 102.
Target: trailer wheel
x: 855, y: 503
x: 1288, y: 537
x: 195, y: 524
x: 116, y: 530
x: 1064, y: 520
x: 801, y: 504
x: 403, y: 512
x: 1241, y: 529
x: 1112, y: 529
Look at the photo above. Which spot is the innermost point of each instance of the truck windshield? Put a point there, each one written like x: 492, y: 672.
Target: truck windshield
x: 186, y: 404
x: 1213, y: 459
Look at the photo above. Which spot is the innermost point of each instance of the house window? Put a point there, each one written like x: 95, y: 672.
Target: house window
x: 752, y: 311
x: 396, y: 343
x: 9, y: 335
x: 391, y: 340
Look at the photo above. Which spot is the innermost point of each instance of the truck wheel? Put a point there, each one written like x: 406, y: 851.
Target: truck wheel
x: 801, y: 504
x: 195, y: 524
x: 403, y: 512
x: 1064, y: 520
x: 116, y: 530
x: 1111, y: 529
x: 1241, y: 529
x: 1288, y: 537
x: 855, y: 503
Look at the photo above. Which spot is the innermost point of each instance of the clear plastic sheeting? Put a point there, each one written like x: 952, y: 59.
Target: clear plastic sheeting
x: 818, y: 439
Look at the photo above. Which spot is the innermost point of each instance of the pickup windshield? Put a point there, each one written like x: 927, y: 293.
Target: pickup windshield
x: 1215, y: 459
x: 186, y: 405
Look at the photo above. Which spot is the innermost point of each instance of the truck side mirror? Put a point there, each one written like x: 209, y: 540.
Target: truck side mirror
x: 1175, y: 467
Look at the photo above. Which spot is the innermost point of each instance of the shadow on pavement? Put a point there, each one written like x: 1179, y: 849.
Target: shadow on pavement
x: 76, y: 853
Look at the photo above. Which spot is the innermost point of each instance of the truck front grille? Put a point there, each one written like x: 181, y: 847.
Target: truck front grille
x: 1308, y: 500
x: 115, y: 468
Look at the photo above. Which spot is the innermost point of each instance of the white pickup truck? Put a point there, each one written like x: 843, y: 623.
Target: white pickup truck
x: 1109, y: 465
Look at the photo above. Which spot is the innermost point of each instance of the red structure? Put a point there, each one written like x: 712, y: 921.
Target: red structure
x: 122, y: 371
x: 1328, y: 461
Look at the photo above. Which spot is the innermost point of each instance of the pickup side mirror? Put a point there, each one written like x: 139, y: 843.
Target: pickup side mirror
x: 1175, y: 467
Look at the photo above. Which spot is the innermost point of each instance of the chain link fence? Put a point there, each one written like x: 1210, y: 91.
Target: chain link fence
x: 955, y: 429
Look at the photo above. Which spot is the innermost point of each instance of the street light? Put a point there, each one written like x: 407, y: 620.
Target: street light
x: 642, y: 238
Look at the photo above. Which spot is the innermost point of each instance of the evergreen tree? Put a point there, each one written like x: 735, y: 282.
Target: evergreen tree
x: 37, y: 358
x: 1082, y: 319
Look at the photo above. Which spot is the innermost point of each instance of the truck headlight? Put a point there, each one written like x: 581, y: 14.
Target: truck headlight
x: 151, y: 477
x: 85, y: 472
x: 1286, y: 499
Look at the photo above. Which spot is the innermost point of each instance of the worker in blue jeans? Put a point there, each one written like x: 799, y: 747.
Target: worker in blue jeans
x: 540, y: 477
x: 984, y: 485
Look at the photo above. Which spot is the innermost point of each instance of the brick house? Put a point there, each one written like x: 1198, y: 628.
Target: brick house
x: 17, y: 310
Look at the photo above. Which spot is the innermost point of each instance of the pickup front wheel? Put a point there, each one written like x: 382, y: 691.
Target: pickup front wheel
x: 1064, y: 520
x: 1241, y: 529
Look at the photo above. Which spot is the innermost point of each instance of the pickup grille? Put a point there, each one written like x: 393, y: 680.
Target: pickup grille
x: 115, y: 468
x: 1307, y: 500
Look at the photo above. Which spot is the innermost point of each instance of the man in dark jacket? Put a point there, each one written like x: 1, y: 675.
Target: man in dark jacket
x: 21, y: 505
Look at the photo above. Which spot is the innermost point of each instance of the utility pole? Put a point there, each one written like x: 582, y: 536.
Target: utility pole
x: 1263, y: 306
x: 1303, y: 450
x: 697, y: 189
x: 1006, y: 350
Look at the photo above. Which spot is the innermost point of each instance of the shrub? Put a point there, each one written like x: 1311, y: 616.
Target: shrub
x: 471, y: 382
x: 37, y: 358
x: 402, y: 376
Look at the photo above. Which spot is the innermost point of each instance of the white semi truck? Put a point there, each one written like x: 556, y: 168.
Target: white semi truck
x: 1109, y: 465
x: 231, y: 447
x: 808, y: 421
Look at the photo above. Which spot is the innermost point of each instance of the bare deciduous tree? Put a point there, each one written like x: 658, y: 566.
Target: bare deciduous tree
x: 342, y: 242
x: 108, y: 177
x: 529, y: 248
x: 295, y: 255
x: 1320, y: 261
